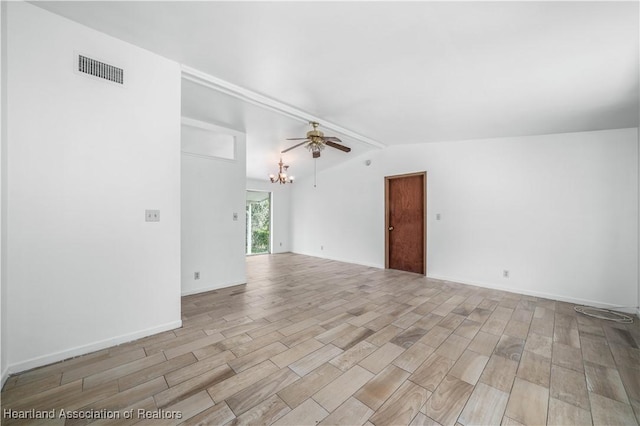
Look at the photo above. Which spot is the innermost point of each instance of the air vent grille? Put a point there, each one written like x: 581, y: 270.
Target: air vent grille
x: 100, y: 69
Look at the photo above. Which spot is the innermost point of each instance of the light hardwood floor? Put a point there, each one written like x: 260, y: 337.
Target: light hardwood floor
x: 310, y: 341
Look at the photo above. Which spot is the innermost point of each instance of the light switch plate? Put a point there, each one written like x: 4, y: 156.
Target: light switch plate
x: 152, y: 215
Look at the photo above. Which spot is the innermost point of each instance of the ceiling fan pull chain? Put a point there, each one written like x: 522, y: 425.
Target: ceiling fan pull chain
x: 315, y: 168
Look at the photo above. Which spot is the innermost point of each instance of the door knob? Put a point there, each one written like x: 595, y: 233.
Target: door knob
x: 391, y: 228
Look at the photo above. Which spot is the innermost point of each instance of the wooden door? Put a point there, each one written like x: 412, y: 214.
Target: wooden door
x: 405, y: 242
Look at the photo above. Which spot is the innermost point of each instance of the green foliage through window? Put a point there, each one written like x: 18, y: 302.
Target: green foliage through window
x: 259, y: 222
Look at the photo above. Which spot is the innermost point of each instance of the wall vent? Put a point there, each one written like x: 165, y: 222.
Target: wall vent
x: 100, y: 69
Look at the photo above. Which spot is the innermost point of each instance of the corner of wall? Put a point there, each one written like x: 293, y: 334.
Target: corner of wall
x: 4, y: 376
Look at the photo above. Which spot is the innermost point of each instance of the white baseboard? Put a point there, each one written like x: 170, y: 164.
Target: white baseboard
x: 355, y: 262
x: 280, y: 250
x: 631, y: 310
x: 210, y: 288
x: 543, y: 295
x: 85, y: 349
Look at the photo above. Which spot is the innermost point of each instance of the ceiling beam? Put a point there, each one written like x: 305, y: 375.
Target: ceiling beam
x: 254, y: 98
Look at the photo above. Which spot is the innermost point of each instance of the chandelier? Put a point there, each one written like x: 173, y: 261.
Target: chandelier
x: 282, y: 177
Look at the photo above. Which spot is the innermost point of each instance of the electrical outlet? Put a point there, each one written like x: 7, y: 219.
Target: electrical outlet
x: 152, y: 215
x: 196, y: 275
x: 321, y: 247
x: 235, y: 216
x: 280, y: 244
x: 505, y: 274
x: 438, y: 216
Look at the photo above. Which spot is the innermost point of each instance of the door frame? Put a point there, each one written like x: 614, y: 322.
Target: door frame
x: 387, y: 179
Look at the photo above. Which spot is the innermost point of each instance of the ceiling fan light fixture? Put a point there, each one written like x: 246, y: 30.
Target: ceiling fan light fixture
x: 315, y: 146
x: 316, y: 141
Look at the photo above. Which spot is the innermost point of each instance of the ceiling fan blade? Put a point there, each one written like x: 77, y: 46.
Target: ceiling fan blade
x: 338, y: 146
x: 295, y: 146
x: 316, y: 154
x: 332, y: 138
x: 296, y: 139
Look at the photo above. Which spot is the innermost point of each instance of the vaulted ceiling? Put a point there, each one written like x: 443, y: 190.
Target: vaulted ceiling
x: 393, y: 72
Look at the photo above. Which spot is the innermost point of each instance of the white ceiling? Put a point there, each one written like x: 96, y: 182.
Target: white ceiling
x: 396, y: 72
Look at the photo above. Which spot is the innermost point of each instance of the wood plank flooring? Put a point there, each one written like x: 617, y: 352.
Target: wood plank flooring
x: 314, y: 341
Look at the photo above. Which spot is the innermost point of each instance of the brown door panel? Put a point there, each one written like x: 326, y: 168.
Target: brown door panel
x: 405, y: 205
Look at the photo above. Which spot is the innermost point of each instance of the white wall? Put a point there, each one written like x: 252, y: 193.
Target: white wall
x: 560, y: 212
x: 3, y: 192
x: 84, y: 270
x: 212, y: 242
x: 280, y: 212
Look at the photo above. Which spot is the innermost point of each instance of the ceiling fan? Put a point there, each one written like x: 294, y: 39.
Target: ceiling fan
x: 316, y: 141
